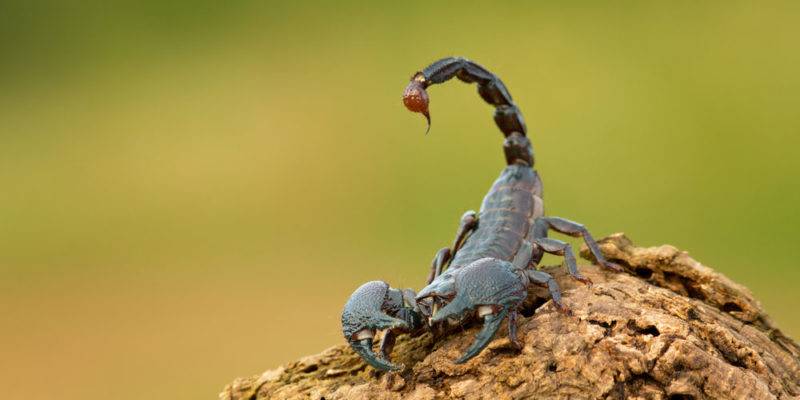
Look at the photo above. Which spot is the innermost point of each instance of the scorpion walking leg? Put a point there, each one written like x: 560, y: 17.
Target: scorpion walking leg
x: 544, y: 279
x: 440, y: 260
x: 574, y: 229
x: 469, y: 221
x: 558, y: 247
x: 512, y: 329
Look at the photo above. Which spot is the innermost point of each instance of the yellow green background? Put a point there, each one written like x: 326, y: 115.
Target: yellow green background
x: 189, y: 191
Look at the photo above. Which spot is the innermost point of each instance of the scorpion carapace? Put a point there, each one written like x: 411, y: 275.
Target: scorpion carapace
x: 494, y: 257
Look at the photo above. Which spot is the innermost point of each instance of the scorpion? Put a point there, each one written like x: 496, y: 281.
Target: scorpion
x: 486, y: 272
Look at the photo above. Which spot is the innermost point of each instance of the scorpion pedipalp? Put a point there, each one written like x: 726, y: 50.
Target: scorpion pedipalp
x: 364, y: 349
x: 491, y: 323
x: 376, y: 306
x: 490, y: 287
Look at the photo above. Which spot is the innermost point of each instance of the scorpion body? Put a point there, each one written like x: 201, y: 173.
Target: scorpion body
x: 493, y: 259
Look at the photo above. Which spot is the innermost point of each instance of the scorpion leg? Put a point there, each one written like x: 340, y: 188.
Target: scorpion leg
x: 574, y: 229
x: 469, y: 221
x: 512, y: 329
x: 527, y: 256
x: 558, y: 247
x: 544, y: 279
x: 440, y: 260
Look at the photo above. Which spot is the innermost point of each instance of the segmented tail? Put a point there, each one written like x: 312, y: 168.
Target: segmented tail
x: 506, y: 115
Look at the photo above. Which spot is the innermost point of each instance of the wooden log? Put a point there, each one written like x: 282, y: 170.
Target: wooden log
x: 668, y: 328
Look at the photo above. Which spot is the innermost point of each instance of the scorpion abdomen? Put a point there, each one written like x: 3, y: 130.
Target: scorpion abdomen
x: 506, y: 216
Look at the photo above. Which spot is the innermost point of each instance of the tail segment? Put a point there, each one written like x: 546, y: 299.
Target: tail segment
x: 507, y: 116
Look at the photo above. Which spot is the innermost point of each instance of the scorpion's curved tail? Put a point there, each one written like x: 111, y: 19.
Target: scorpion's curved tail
x: 507, y: 116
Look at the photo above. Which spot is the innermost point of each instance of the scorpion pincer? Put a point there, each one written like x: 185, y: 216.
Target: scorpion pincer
x: 487, y: 270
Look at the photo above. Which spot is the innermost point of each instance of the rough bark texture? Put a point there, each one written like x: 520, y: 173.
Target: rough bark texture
x: 669, y: 328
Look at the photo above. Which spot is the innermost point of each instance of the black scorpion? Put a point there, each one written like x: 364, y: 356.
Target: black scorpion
x: 493, y: 259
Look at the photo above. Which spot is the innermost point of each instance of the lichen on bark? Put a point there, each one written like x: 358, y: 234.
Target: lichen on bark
x: 668, y: 328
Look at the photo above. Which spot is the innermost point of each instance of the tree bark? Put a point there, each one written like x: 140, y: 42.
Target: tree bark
x: 668, y: 328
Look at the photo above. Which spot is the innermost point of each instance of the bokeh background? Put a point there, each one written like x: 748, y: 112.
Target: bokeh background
x: 189, y: 191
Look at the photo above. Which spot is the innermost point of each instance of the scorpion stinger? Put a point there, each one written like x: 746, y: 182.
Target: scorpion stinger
x: 416, y: 98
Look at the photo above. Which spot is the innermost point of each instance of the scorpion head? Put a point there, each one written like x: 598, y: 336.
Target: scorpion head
x: 376, y: 306
x: 488, y: 287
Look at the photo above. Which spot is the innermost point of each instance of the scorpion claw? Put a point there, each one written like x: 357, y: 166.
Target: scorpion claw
x: 490, y: 326
x: 363, y: 348
x: 490, y: 287
x: 376, y: 306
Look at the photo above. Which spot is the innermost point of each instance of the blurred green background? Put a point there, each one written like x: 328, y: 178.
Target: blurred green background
x: 189, y: 191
